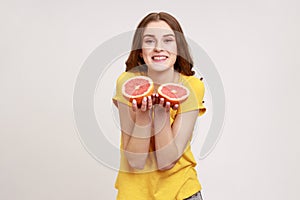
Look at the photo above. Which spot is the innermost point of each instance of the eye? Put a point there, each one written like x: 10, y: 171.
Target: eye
x: 149, y: 41
x: 168, y: 40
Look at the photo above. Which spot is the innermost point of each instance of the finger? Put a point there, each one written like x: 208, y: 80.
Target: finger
x: 153, y: 99
x: 161, y: 102
x: 157, y: 98
x: 144, y: 104
x: 149, y: 102
x: 175, y: 107
x: 168, y: 106
x: 134, y: 105
x: 153, y: 96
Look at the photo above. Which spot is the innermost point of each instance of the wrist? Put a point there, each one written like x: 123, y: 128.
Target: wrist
x: 143, y: 118
x: 160, y: 121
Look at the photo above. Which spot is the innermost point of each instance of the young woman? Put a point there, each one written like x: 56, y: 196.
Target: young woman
x: 156, y: 158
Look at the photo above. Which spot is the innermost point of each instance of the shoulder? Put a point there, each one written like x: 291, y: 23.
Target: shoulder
x: 195, y: 99
x: 193, y: 82
x: 124, y: 76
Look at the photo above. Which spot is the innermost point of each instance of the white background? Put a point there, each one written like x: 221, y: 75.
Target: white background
x: 254, y: 45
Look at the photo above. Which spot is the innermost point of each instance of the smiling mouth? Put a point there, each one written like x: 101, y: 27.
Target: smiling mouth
x: 159, y: 58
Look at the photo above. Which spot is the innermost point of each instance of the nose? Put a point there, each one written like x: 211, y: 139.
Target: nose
x: 158, y: 47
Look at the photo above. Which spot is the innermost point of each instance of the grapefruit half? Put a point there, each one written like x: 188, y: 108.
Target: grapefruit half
x: 173, y: 92
x: 137, y: 88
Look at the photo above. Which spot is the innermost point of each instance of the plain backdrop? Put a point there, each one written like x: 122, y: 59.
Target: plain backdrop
x: 254, y: 45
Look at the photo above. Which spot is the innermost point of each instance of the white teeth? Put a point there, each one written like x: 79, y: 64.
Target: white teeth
x: 159, y: 57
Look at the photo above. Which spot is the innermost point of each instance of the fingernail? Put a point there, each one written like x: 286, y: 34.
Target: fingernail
x: 134, y: 101
x: 144, y: 99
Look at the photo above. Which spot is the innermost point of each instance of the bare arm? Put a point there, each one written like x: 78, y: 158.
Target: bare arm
x: 171, y: 141
x: 136, y: 132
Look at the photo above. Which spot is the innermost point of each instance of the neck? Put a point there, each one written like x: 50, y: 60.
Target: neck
x: 167, y: 76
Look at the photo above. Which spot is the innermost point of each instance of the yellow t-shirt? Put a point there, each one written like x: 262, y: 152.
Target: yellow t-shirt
x: 176, y: 183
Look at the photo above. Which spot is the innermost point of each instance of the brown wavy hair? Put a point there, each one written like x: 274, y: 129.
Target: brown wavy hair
x: 184, y: 62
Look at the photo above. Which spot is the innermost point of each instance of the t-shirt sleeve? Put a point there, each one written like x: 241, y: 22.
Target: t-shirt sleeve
x: 118, y: 97
x: 195, y: 99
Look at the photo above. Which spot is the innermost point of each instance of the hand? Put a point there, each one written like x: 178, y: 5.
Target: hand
x: 162, y: 113
x: 146, y: 104
x: 162, y: 103
x: 143, y: 112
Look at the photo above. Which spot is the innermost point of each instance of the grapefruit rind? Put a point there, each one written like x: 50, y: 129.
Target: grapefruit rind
x: 137, y: 97
x: 173, y: 100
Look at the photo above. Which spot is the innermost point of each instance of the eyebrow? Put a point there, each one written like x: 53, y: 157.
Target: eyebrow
x: 167, y: 35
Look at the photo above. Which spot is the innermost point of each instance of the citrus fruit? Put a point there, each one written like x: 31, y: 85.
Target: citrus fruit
x: 137, y: 88
x: 173, y: 93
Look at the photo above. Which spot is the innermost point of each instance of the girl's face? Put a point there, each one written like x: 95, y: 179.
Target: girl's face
x: 159, y: 48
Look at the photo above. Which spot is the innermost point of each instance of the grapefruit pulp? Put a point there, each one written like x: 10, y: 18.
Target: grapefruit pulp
x: 173, y: 93
x: 137, y: 88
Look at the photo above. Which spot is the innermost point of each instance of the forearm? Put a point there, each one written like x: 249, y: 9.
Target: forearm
x: 137, y: 152
x: 137, y: 147
x: 165, y: 144
x: 139, y: 139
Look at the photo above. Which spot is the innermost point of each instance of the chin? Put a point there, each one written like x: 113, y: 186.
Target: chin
x: 159, y: 67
